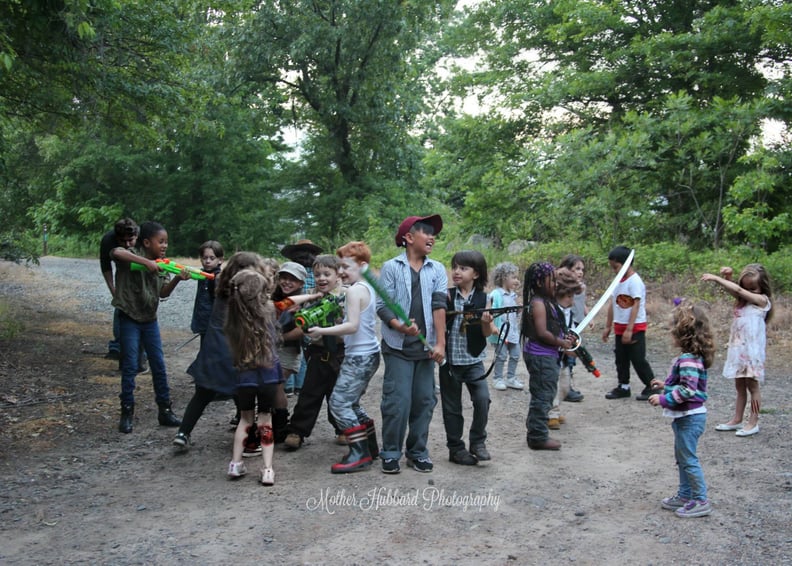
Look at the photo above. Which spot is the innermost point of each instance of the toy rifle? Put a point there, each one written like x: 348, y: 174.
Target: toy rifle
x: 322, y: 314
x: 588, y: 362
x: 173, y: 267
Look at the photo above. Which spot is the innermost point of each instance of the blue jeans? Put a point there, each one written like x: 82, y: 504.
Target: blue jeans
x: 452, y: 378
x: 510, y: 351
x: 114, y: 345
x: 296, y: 380
x: 408, y: 399
x: 542, y: 383
x: 687, y: 431
x: 135, y: 335
x: 353, y: 379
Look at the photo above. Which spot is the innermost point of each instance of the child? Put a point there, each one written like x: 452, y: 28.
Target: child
x: 213, y: 369
x: 252, y: 336
x: 567, y: 286
x: 506, y: 278
x: 682, y: 399
x: 137, y: 297
x: 361, y: 360
x: 124, y: 233
x: 746, y: 354
x: 408, y: 395
x: 303, y: 252
x: 575, y: 264
x: 324, y: 356
x: 543, y: 327
x: 466, y: 349
x: 627, y: 314
x: 211, y: 253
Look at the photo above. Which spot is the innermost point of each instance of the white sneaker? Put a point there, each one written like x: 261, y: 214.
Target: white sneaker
x: 236, y: 469
x: 500, y: 385
x: 515, y: 384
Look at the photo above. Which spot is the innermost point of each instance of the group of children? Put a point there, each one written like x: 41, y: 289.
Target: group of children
x: 253, y: 334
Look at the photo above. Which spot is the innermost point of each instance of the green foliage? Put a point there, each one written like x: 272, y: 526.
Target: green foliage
x: 18, y: 247
x: 10, y: 325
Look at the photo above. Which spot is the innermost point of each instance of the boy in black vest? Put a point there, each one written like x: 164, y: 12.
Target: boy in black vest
x: 466, y: 349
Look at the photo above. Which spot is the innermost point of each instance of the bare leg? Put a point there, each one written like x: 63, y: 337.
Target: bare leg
x: 245, y: 421
x: 267, y: 438
x: 756, y: 402
x: 742, y: 400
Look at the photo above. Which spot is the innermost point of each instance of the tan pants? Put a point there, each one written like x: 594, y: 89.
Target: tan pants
x: 564, y: 384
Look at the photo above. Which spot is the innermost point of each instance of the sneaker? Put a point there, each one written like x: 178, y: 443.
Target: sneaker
x: 423, y: 465
x: 267, y: 476
x: 113, y: 355
x: 499, y: 385
x: 618, y: 393
x: 480, y: 452
x: 515, y: 384
x: 289, y: 392
x: 573, y: 396
x: 252, y: 443
x: 143, y: 369
x: 182, y: 440
x: 462, y: 457
x: 234, y: 421
x: 673, y: 503
x: 390, y: 466
x: 646, y: 393
x: 694, y: 508
x: 236, y: 469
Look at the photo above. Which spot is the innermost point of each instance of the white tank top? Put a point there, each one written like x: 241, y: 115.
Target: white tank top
x: 364, y: 341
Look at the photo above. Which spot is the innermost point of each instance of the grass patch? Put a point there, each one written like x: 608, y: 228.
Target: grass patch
x: 10, y: 327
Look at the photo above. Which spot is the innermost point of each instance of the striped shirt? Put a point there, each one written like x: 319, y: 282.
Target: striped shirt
x: 685, y: 389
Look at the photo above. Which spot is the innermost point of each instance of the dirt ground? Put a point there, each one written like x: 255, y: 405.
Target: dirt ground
x: 74, y: 490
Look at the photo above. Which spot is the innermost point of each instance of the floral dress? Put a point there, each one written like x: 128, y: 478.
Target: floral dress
x: 746, y: 356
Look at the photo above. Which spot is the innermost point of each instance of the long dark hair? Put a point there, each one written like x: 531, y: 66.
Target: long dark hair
x: 532, y: 287
x: 476, y: 261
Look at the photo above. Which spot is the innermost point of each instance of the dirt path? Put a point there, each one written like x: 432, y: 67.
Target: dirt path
x: 73, y: 490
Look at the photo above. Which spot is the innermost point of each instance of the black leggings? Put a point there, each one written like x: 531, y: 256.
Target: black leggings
x: 195, y: 408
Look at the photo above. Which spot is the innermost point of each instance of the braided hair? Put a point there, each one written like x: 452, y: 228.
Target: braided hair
x: 535, y: 277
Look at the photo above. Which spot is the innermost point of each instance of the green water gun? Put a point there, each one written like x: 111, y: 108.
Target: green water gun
x: 173, y: 267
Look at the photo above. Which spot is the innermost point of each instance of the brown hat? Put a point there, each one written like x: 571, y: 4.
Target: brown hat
x: 434, y: 220
x: 301, y: 246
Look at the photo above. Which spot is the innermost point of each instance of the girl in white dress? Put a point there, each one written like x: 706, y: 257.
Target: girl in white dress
x: 746, y: 355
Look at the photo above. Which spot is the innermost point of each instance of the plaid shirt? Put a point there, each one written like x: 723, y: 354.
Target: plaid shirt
x: 456, y: 341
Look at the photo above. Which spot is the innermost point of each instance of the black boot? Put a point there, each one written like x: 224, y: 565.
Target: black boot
x: 280, y: 423
x: 166, y: 416
x: 358, y: 457
x: 127, y: 413
x: 371, y: 434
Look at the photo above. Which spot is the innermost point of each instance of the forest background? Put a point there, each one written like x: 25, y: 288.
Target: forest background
x: 539, y: 127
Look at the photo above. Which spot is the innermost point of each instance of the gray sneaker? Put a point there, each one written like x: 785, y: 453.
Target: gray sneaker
x: 694, y: 508
x: 673, y: 503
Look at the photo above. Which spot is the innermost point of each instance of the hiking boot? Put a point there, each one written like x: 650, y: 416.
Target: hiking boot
x: 554, y: 424
x: 390, y: 466
x: 182, y: 440
x: 673, y: 503
x: 236, y: 469
x: 480, y: 452
x: 127, y: 415
x: 462, y: 457
x: 618, y: 393
x: 423, y: 465
x: 549, y: 444
x: 694, y: 508
x: 293, y: 441
x: 166, y: 417
x: 499, y: 385
x: 573, y: 396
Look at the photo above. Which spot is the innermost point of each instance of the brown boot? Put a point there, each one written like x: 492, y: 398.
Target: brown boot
x: 549, y: 444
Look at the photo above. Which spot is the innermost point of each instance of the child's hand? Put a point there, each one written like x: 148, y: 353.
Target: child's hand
x: 184, y: 274
x: 708, y: 277
x: 654, y: 400
x: 486, y: 317
x: 605, y: 333
x: 656, y: 384
x: 726, y: 272
x: 313, y: 331
x: 411, y: 330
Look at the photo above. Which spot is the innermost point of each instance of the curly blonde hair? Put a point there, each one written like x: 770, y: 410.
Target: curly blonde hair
x: 250, y: 323
x: 690, y: 327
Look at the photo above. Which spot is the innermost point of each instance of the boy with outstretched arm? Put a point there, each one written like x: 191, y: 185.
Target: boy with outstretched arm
x: 418, y: 285
x: 361, y: 359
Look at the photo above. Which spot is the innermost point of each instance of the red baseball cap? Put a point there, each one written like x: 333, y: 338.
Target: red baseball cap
x: 434, y: 220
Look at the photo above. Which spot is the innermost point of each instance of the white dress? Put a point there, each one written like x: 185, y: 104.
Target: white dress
x: 746, y: 355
